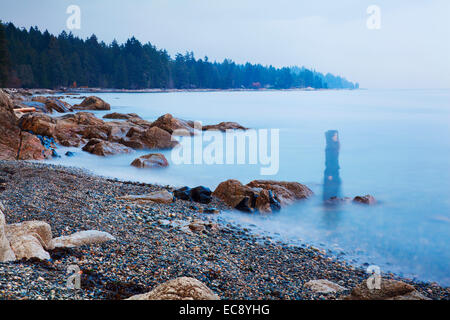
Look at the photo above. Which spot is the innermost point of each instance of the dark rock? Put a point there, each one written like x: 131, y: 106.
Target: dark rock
x: 201, y: 194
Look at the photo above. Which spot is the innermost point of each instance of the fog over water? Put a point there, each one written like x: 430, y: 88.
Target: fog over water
x: 393, y: 145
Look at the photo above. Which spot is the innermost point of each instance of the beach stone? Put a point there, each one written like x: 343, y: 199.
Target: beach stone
x: 224, y: 126
x: 324, y: 286
x: 92, y: 103
x: 184, y: 288
x: 6, y: 253
x: 367, y: 199
x: 29, y: 239
x: 152, y: 160
x: 105, y: 148
x: 389, y: 290
x: 81, y: 238
x: 162, y: 196
x: 183, y: 193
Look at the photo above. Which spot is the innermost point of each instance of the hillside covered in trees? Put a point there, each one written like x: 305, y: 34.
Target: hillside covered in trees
x: 35, y: 59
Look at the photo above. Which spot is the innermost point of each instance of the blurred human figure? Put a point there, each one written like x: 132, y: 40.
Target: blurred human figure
x: 331, y: 179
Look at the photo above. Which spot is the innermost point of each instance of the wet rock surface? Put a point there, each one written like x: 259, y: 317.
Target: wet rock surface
x: 152, y: 160
x: 154, y: 244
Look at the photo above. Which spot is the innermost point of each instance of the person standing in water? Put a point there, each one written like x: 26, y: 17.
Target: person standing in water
x: 331, y: 179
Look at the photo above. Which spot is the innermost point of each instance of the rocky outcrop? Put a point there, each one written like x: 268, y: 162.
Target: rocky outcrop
x: 260, y: 195
x: 183, y: 288
x: 324, y: 286
x: 367, y: 199
x: 162, y: 196
x: 152, y: 160
x: 224, y: 126
x: 92, y: 103
x: 14, y: 143
x: 105, y: 148
x: 81, y: 238
x: 389, y: 290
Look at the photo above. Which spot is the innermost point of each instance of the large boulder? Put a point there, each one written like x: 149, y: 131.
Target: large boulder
x: 153, y: 138
x: 105, y: 148
x: 152, y: 160
x: 261, y: 195
x: 32, y: 148
x: 183, y: 288
x: 92, y: 103
x: 170, y: 124
x: 38, y: 123
x: 388, y: 290
x: 30, y: 239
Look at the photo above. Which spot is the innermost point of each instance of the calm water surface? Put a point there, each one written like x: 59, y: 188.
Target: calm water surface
x: 394, y: 146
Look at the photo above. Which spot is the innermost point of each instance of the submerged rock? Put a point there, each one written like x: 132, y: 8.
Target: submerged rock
x: 152, y: 160
x: 224, y: 126
x: 367, y: 199
x: 122, y: 116
x: 184, y: 288
x: 92, y: 103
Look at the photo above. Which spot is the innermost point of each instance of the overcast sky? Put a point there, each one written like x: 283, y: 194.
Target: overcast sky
x: 411, y: 50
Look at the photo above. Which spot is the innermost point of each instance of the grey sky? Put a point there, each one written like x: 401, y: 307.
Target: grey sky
x: 411, y: 50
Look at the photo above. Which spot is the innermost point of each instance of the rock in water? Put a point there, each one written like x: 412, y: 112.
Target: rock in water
x: 183, y: 288
x: 6, y: 253
x: 152, y: 160
x: 183, y: 193
x: 367, y: 199
x: 105, y: 148
x: 224, y: 126
x: 92, y: 103
x: 170, y: 124
x: 389, y: 290
x: 323, y: 286
x: 81, y: 238
x: 162, y: 196
x: 261, y: 195
x: 29, y: 239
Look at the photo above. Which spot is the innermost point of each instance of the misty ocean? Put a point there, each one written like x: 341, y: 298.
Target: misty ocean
x: 394, y: 145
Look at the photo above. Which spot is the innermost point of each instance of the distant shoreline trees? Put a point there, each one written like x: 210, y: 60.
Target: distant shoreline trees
x: 35, y: 59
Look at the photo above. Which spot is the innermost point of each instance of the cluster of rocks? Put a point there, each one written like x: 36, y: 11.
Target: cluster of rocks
x: 264, y: 196
x: 22, y: 119
x: 367, y: 200
x: 33, y: 239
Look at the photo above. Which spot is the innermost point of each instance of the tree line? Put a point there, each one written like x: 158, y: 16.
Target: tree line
x: 35, y: 59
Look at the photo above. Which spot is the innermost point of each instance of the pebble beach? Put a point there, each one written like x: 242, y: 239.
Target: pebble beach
x: 154, y: 243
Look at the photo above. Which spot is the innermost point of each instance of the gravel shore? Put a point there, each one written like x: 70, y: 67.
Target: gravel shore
x: 153, y: 244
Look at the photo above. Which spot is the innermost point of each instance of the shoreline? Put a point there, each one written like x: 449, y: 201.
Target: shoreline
x: 153, y: 244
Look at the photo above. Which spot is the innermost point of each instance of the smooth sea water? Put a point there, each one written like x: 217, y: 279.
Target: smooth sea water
x: 394, y: 146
